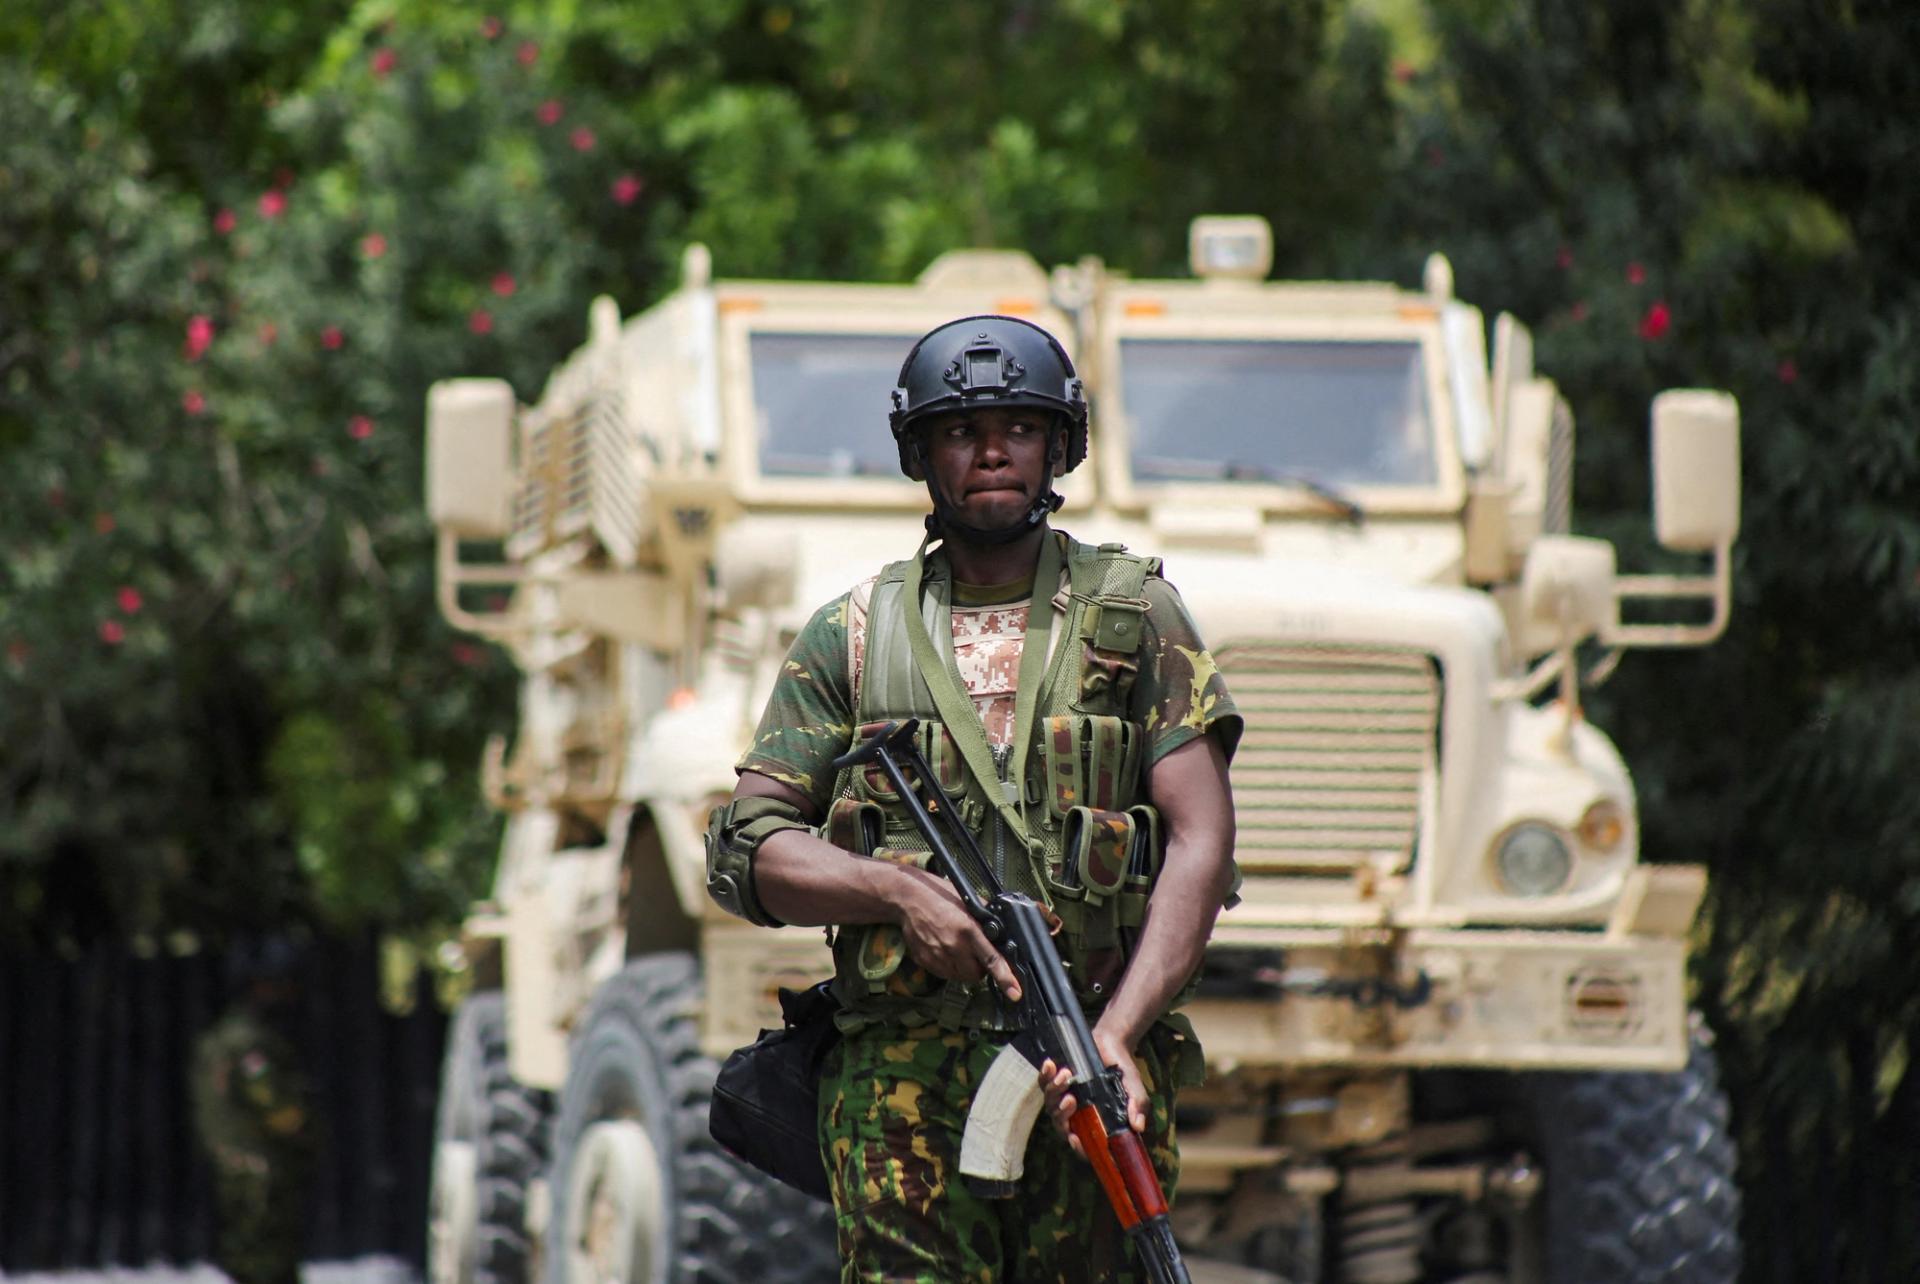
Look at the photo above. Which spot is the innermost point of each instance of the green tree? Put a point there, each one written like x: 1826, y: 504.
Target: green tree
x: 1692, y: 195
x: 249, y: 240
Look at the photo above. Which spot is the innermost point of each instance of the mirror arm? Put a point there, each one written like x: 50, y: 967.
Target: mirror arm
x: 451, y: 575
x: 1536, y: 680
x: 1715, y: 587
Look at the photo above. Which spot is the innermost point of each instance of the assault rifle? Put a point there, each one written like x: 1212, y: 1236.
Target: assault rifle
x: 1052, y: 1026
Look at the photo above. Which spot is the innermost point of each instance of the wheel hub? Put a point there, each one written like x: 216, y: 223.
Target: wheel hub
x: 615, y: 1208
x: 453, y: 1213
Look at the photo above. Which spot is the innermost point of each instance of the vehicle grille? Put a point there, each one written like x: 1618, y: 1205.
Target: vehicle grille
x: 1338, y: 744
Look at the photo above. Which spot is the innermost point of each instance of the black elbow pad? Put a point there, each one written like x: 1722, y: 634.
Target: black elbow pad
x: 734, y: 834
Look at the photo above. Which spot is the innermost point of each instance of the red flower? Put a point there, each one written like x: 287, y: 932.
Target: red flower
x: 1636, y: 275
x: 18, y: 651
x: 112, y: 632
x: 480, y: 321
x: 626, y: 188
x: 130, y: 599
x: 193, y: 401
x: 528, y: 53
x: 583, y: 139
x: 1788, y: 371
x: 283, y: 178
x: 273, y: 203
x: 1657, y: 321
x: 269, y: 334
x: 503, y: 284
x: 56, y: 497
x: 1563, y: 259
x: 491, y: 28
x: 373, y: 245
x: 383, y: 61
x: 1578, y: 311
x: 551, y: 111
x: 199, y: 337
x: 359, y: 427
x: 103, y: 523
x: 1403, y: 71
x: 332, y: 339
x: 224, y: 222
x: 466, y: 653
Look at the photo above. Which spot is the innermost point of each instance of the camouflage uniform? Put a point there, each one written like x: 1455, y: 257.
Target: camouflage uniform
x: 894, y: 1098
x: 893, y: 1105
x: 251, y: 1106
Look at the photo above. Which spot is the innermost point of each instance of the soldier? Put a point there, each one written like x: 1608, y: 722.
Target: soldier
x: 1071, y: 710
x: 253, y: 1111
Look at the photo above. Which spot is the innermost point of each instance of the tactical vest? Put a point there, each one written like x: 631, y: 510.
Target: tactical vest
x: 1094, y: 849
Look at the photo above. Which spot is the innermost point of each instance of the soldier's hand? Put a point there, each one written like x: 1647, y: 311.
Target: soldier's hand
x: 1055, y: 1083
x: 943, y: 938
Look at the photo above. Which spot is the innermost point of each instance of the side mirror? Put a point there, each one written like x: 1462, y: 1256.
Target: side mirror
x: 1696, y: 469
x: 470, y: 457
x: 1566, y: 593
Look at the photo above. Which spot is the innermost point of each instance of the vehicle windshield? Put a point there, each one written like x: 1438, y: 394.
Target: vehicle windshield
x: 820, y: 403
x: 1230, y: 410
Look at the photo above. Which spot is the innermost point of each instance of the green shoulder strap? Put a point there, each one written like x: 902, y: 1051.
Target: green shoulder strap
x: 957, y: 710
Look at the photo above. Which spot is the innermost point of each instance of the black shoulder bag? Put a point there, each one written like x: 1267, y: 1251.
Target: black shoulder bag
x: 766, y: 1102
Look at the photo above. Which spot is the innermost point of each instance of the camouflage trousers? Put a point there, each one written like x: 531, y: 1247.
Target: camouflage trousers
x: 893, y: 1105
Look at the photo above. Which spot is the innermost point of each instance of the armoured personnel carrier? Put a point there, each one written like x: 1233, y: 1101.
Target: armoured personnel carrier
x: 1447, y: 1026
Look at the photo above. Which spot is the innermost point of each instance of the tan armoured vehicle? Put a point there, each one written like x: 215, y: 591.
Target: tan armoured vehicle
x: 1447, y: 1027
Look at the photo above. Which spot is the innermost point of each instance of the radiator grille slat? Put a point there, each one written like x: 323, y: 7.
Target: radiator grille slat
x: 578, y: 472
x: 1338, y: 743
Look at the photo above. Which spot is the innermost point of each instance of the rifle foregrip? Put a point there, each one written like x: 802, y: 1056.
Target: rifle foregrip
x: 1098, y: 1143
x: 1133, y: 1188
x: 1136, y: 1170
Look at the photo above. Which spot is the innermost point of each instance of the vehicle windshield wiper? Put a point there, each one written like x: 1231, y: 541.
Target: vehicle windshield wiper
x: 1243, y: 470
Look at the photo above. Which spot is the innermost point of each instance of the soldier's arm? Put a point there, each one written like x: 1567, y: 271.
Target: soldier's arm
x: 1189, y: 786
x: 805, y: 880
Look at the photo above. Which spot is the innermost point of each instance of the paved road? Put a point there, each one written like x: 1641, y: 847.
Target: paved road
x: 365, y: 1270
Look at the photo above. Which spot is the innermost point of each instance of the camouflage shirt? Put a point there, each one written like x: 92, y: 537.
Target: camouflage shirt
x: 809, y: 718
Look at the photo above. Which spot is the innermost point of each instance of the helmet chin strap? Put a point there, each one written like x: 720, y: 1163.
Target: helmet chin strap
x: 944, y: 520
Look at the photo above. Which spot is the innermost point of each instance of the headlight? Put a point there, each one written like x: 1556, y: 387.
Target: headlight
x: 1533, y: 860
x: 1603, y: 825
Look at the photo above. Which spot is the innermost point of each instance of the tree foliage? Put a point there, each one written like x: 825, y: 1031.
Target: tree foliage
x: 249, y: 241
x: 1705, y: 194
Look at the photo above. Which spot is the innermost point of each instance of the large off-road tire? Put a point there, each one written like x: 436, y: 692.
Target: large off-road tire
x: 1639, y: 1176
x: 641, y: 1194
x: 489, y: 1144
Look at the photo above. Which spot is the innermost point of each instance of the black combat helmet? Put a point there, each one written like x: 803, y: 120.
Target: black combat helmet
x: 988, y: 361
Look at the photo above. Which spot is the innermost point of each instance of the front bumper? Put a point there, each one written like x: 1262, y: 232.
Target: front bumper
x: 1437, y: 998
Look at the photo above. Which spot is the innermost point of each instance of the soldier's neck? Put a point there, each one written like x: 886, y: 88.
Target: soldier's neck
x: 995, y: 563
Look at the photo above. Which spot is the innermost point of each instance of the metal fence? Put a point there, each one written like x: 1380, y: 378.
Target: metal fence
x: 99, y: 1161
